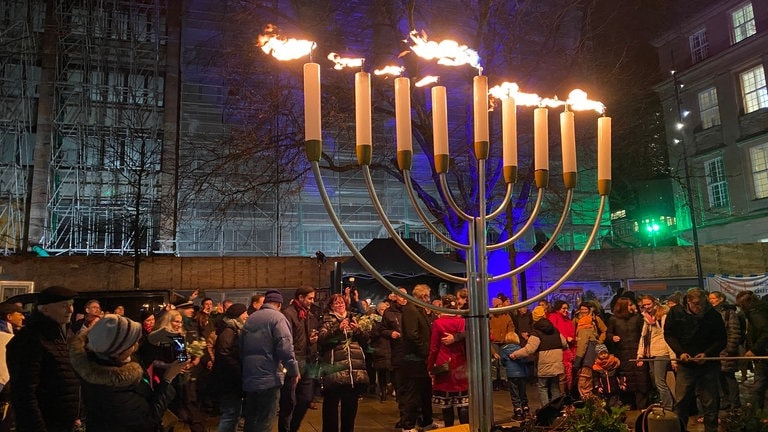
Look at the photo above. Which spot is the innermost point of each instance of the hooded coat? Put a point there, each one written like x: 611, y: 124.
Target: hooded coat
x: 548, y: 344
x: 118, y: 397
x: 343, y: 360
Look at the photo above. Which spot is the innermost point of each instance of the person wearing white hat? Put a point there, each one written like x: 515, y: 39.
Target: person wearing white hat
x: 116, y: 390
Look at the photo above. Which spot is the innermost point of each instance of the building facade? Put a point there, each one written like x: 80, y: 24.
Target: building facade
x: 716, y: 114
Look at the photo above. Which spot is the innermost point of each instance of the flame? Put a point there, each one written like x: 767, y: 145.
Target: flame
x: 506, y: 90
x: 447, y: 52
x: 281, y: 47
x: 390, y: 70
x: 577, y: 100
x: 427, y: 80
x: 342, y: 62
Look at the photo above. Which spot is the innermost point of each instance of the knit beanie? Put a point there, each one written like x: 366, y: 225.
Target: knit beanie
x: 538, y: 313
x: 273, y: 296
x: 113, y: 334
x: 235, y: 310
x: 600, y: 348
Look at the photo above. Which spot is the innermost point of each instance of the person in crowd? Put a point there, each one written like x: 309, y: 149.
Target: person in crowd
x: 624, y: 329
x: 590, y: 330
x: 653, y: 346
x: 414, y: 388
x: 117, y: 395
x: 268, y: 360
x: 257, y: 300
x: 729, y: 387
x: 45, y: 391
x: 11, y: 321
x: 381, y: 353
x: 344, y: 374
x: 517, y: 374
x: 147, y: 321
x: 92, y: 314
x: 756, y: 311
x: 203, y: 317
x: 499, y: 324
x: 392, y: 329
x: 694, y: 330
x: 448, y: 366
x: 548, y: 345
x: 561, y: 319
x: 205, y: 323
x: 674, y: 299
x: 462, y: 296
x: 156, y: 354
x: 295, y: 398
x: 608, y: 383
x: 226, y: 384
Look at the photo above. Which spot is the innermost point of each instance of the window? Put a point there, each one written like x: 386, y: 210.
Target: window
x: 742, y: 23
x: 717, y: 187
x: 753, y: 89
x: 758, y: 157
x: 699, y: 46
x: 708, y: 108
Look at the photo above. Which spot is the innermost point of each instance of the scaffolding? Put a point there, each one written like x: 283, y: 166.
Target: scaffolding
x: 106, y: 128
x: 18, y: 90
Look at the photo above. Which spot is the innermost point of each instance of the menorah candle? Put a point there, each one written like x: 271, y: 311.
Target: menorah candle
x: 480, y: 87
x: 568, y: 139
x: 509, y: 131
x: 403, y: 114
x: 541, y: 138
x: 440, y: 120
x: 312, y: 102
x: 363, y: 108
x: 604, y: 148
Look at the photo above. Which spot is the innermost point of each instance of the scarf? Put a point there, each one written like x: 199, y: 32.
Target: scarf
x: 303, y: 312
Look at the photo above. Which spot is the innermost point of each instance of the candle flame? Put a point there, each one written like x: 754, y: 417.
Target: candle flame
x: 427, y: 80
x: 446, y: 52
x: 390, y: 70
x: 577, y: 101
x: 341, y: 62
x: 281, y: 47
x: 511, y: 90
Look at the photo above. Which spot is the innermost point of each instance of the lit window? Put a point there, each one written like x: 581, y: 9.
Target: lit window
x: 742, y: 23
x: 699, y: 46
x: 758, y: 157
x: 618, y: 214
x: 717, y: 186
x: 753, y: 89
x: 708, y: 108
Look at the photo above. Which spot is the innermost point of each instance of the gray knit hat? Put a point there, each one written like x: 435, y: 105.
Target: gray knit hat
x: 112, y: 335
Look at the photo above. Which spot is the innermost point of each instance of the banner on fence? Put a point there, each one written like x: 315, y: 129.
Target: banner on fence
x: 730, y: 285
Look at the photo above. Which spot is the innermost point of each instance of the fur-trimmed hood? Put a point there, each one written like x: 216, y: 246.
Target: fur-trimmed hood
x: 99, y: 372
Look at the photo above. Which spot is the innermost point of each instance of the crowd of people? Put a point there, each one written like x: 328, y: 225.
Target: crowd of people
x: 268, y: 362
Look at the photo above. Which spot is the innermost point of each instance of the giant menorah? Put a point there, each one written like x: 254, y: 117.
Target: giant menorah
x: 476, y: 248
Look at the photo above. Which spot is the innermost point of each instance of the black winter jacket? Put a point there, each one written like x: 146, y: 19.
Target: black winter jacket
x: 343, y: 360
x: 227, y: 372
x: 417, y: 333
x: 45, y: 390
x: 118, y: 397
x: 692, y: 334
x: 392, y: 320
x: 301, y: 329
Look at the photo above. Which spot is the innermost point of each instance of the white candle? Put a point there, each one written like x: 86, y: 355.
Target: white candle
x: 440, y: 120
x: 509, y: 131
x: 604, y: 148
x: 312, y: 102
x: 480, y: 87
x: 363, y: 108
x: 541, y: 138
x: 568, y: 139
x: 403, y: 114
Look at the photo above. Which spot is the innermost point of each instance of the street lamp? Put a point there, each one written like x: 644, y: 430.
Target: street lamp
x: 688, y: 188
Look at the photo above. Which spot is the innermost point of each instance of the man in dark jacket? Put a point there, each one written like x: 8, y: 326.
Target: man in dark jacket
x: 392, y: 330
x: 295, y: 398
x: 756, y: 311
x: 45, y: 390
x: 414, y: 389
x: 729, y: 387
x: 694, y: 330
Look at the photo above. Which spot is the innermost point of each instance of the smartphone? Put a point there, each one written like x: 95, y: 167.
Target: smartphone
x: 179, y: 348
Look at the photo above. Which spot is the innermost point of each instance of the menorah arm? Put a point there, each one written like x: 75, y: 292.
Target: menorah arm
x: 430, y: 226
x: 567, y: 274
x: 550, y: 243
x: 449, y: 198
x: 503, y: 204
x: 396, y: 236
x: 528, y: 224
x: 356, y: 253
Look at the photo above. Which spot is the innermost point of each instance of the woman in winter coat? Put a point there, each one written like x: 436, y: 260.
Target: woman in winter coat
x: 226, y: 382
x: 117, y: 392
x: 624, y: 330
x: 450, y: 389
x: 343, y: 366
x: 653, y: 346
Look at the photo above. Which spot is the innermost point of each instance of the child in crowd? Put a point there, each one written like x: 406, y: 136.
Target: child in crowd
x: 608, y: 383
x: 517, y: 374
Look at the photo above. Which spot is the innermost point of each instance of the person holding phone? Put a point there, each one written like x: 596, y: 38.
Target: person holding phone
x: 116, y: 390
